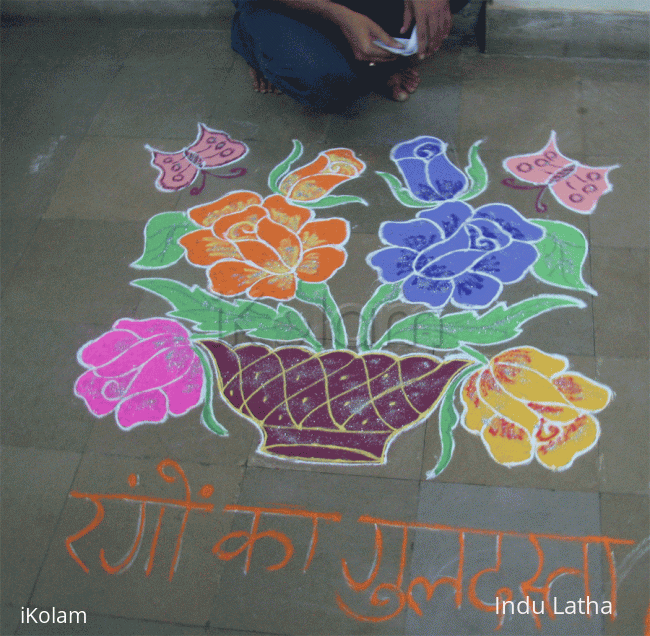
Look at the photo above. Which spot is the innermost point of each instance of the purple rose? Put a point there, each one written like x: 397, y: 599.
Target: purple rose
x: 429, y: 175
x: 141, y: 369
x: 457, y: 253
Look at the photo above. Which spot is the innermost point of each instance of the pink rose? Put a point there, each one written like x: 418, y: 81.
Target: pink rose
x: 141, y: 369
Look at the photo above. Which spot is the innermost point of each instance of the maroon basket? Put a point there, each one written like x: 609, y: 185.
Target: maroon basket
x: 334, y: 406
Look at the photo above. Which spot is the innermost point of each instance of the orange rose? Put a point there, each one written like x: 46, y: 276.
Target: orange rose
x: 321, y: 176
x: 526, y: 404
x: 263, y: 246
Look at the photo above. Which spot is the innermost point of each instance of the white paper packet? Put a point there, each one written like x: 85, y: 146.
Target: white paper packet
x: 410, y: 45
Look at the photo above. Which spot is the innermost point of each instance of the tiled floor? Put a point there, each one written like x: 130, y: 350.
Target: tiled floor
x: 79, y: 103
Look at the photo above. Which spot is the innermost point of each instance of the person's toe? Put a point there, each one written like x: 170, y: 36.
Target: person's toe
x: 410, y: 80
x: 400, y: 95
x: 403, y: 83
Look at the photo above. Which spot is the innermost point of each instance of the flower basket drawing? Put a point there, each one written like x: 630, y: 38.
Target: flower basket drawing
x: 312, y: 404
x: 334, y: 406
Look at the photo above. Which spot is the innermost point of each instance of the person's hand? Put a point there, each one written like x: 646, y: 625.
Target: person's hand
x: 433, y: 20
x: 361, y: 32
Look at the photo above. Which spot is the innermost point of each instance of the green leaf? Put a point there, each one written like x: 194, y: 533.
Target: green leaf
x: 448, y: 419
x: 499, y: 324
x: 284, y: 166
x: 208, y: 418
x: 220, y: 317
x: 161, y: 234
x: 562, y: 254
x: 403, y: 195
x: 285, y: 324
x: 477, y: 174
x: 330, y: 201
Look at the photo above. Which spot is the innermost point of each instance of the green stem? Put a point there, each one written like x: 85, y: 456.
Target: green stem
x: 207, y: 414
x: 383, y: 295
x: 477, y: 355
x: 447, y: 421
x: 319, y: 294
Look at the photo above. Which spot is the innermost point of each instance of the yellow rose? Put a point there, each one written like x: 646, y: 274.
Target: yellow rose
x: 525, y: 403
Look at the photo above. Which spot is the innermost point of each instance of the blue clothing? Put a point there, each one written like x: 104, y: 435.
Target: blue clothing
x: 306, y: 56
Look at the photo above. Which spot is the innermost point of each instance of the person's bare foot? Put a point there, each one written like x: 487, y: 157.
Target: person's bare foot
x: 261, y: 84
x: 403, y: 83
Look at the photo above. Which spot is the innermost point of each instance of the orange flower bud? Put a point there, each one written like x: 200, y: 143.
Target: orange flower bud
x: 321, y: 176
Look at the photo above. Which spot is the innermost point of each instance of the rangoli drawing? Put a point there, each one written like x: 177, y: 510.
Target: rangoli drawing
x: 452, y: 261
x: 211, y: 149
x: 573, y: 185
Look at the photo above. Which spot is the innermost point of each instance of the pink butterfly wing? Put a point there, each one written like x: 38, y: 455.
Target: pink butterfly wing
x: 215, y: 148
x: 539, y: 167
x: 176, y: 171
x: 580, y: 191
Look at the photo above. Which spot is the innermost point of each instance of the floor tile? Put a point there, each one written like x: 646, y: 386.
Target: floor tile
x: 541, y: 98
x: 180, y: 438
x: 163, y: 101
x: 112, y: 179
x: 230, y: 632
x: 39, y: 408
x: 518, y: 32
x: 624, y: 444
x: 621, y: 308
x: 613, y: 70
x: 32, y: 170
x: 609, y: 35
x: 10, y: 617
x: 14, y: 38
x: 627, y: 516
x: 52, y: 281
x: 572, y: 34
x: 35, y: 484
x: 150, y: 594
x: 616, y: 118
x: 68, y: 42
x: 63, y: 100
x: 301, y: 597
x: 100, y: 625
x: 177, y: 48
x: 617, y: 221
x: 519, y: 514
x: 22, y: 80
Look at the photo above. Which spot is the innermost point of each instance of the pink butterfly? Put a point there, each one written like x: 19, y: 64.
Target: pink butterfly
x: 575, y: 186
x: 211, y: 149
